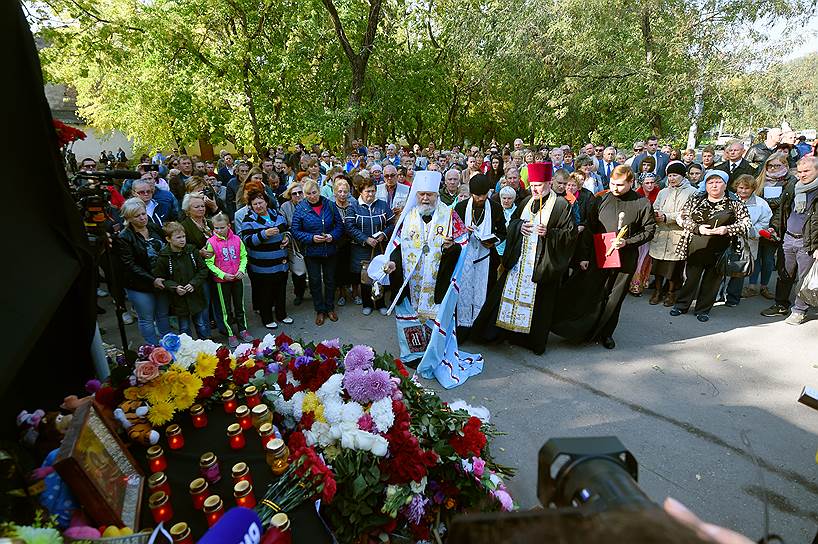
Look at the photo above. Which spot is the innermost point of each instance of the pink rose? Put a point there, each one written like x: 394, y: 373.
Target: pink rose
x: 145, y: 371
x: 479, y: 465
x: 160, y: 356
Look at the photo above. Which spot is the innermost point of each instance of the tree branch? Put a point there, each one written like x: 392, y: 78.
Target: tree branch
x: 339, y: 29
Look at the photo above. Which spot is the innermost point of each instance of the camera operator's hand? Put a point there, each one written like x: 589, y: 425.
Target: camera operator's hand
x: 706, y: 531
x: 180, y: 290
x: 188, y: 288
x: 159, y: 283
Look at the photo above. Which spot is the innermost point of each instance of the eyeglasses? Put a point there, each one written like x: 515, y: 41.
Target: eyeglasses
x: 600, y: 149
x: 296, y: 192
x: 637, y: 149
x: 774, y: 166
x: 145, y: 192
x: 389, y: 175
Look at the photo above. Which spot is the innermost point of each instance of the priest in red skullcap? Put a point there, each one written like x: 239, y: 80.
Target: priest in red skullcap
x: 541, y: 236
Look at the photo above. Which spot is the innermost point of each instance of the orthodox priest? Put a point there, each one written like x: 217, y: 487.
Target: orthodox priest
x: 486, y: 224
x: 425, y: 252
x: 539, y: 247
x: 592, y: 299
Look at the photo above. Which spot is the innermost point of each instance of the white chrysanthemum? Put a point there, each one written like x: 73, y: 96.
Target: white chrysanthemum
x: 298, y: 401
x: 334, y: 411
x: 382, y: 414
x: 418, y: 487
x: 269, y: 341
x: 291, y: 379
x: 331, y: 388
x: 352, y: 412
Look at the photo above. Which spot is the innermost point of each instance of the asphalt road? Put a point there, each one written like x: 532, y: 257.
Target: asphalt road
x: 678, y: 393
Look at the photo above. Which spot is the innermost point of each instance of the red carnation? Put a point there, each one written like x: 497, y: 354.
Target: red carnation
x: 307, y: 419
x: 241, y: 375
x: 283, y: 339
x: 297, y: 441
x: 223, y: 353
x: 327, y: 352
x: 401, y: 369
x: 108, y: 396
x: 473, y: 440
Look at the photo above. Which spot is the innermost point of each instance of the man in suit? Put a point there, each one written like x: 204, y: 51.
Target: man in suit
x: 735, y: 163
x: 226, y: 172
x: 607, y: 165
x: 652, y: 149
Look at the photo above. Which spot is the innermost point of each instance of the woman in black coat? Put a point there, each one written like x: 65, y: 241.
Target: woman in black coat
x: 138, y: 246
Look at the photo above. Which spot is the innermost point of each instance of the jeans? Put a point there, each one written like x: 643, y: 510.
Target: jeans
x: 321, y: 273
x: 797, y: 263
x: 733, y: 291
x: 201, y: 321
x: 765, y: 263
x: 152, y: 314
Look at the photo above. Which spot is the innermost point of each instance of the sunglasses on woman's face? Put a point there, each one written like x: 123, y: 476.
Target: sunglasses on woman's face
x: 297, y: 193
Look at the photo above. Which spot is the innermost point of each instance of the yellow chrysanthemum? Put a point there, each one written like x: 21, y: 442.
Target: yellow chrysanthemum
x: 160, y: 413
x: 232, y: 363
x: 131, y: 393
x: 205, y: 365
x: 250, y: 363
x: 312, y: 404
x: 158, y: 391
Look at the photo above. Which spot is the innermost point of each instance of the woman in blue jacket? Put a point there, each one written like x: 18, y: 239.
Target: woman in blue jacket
x: 317, y: 225
x: 370, y: 225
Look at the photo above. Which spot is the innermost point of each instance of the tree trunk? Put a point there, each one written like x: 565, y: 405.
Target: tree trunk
x: 251, y: 108
x: 695, y: 114
x: 654, y: 117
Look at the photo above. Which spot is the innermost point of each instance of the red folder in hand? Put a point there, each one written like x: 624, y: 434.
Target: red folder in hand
x: 602, y: 243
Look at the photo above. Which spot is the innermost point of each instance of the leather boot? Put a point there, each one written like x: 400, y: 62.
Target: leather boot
x: 670, y: 298
x: 656, y: 298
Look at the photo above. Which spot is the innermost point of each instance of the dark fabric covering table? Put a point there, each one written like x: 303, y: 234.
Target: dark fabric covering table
x: 183, y: 467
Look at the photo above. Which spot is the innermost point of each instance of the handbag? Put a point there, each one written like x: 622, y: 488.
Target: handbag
x: 365, y: 279
x: 739, y: 261
x: 808, y: 292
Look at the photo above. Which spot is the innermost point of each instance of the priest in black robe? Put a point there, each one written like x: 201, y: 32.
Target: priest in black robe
x: 540, y: 242
x: 592, y: 298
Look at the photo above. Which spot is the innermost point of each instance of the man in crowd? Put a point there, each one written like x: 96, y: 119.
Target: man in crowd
x: 652, y: 150
x: 185, y: 168
x: 539, y: 247
x: 426, y: 253
x: 472, y: 169
x: 450, y: 188
x: 606, y: 165
x: 518, y: 145
x: 353, y: 161
x: 487, y: 227
x: 758, y: 154
x: 734, y: 163
x: 638, y: 147
x: 796, y: 223
x: 803, y: 147
x: 512, y: 179
x: 160, y: 204
x: 226, y: 172
x: 325, y: 165
x: 557, y: 161
x: 391, y: 157
x: 708, y: 158
x: 392, y: 192
x: 596, y: 314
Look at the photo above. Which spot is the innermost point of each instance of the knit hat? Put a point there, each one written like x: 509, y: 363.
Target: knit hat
x: 676, y: 167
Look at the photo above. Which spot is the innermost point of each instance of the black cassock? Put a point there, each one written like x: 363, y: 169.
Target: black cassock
x: 554, y: 253
x: 590, y: 301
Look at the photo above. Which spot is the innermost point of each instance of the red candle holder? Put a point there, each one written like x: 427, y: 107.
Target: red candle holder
x: 235, y: 436
x: 279, y: 531
x: 209, y: 467
x: 229, y: 401
x: 251, y: 396
x: 180, y: 533
x: 266, y: 433
x: 175, y: 438
x: 160, y: 507
x: 213, y: 509
x: 243, y: 417
x: 198, y: 416
x: 243, y: 493
x: 199, y: 491
x: 158, y: 482
x: 156, y: 459
x: 241, y: 473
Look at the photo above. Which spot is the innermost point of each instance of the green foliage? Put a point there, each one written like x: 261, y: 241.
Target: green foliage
x: 361, y: 488
x: 259, y: 72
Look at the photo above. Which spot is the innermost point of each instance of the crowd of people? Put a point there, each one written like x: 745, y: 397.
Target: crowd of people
x: 189, y: 230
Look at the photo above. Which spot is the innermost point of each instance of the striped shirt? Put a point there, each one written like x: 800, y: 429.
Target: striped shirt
x: 265, y: 254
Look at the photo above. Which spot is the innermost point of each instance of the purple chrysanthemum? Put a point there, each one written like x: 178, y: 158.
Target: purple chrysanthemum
x: 359, y: 357
x: 268, y: 352
x: 274, y: 368
x: 366, y: 386
x: 309, y: 352
x: 416, y: 509
x: 302, y: 360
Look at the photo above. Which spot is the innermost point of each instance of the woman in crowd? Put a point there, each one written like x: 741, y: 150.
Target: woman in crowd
x: 709, y: 219
x: 568, y: 158
x: 347, y: 288
x: 694, y: 174
x: 773, y: 177
x: 198, y: 227
x: 688, y: 157
x: 317, y: 226
x: 298, y: 268
x: 508, y: 196
x: 760, y: 216
x: 235, y: 189
x: 580, y: 198
x: 584, y: 166
x: 496, y: 171
x: 647, y: 166
x: 675, y: 155
x: 369, y: 223
x: 641, y: 278
x: 199, y: 185
x: 667, y: 266
x: 621, y: 158
x: 263, y: 234
x: 138, y: 246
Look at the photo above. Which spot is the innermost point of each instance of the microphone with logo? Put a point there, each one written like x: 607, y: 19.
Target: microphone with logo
x: 239, y: 525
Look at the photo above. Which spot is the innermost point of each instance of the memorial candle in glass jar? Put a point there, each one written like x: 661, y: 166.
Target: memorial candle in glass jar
x: 199, y: 491
x: 209, y: 467
x: 198, y: 416
x: 243, y: 493
x: 243, y: 417
x: 213, y: 509
x: 180, y: 533
x: 156, y: 459
x: 175, y: 438
x: 158, y: 482
x: 251, y: 396
x: 229, y: 401
x: 235, y: 436
x: 160, y: 507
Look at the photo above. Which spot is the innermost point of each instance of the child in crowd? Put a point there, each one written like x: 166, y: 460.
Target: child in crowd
x: 185, y: 274
x: 228, y: 265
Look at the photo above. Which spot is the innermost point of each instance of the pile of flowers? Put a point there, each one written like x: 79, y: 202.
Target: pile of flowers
x: 396, y: 459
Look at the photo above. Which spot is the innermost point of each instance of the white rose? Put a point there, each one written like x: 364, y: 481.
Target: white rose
x: 348, y: 440
x: 379, y: 446
x: 297, y: 349
x: 363, y: 440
